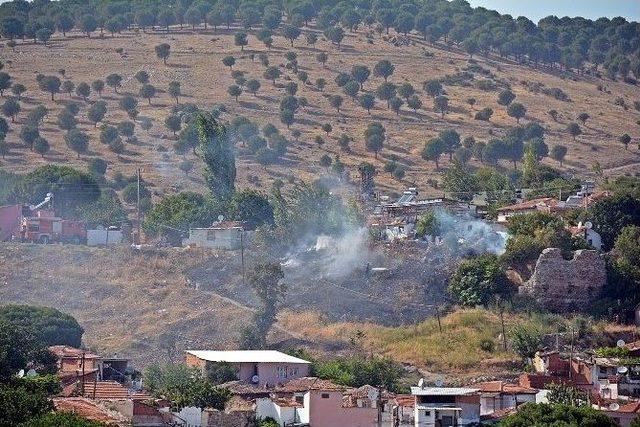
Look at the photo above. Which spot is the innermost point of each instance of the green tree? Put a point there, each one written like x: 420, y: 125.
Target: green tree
x: 266, y: 281
x: 336, y: 102
x: 18, y: 89
x: 68, y: 86
x: 526, y: 341
x: 114, y: 80
x: 142, y: 77
x: 531, y: 414
x: 395, y: 104
x: 441, y: 103
x: 148, y: 91
x: 384, y: 69
x: 235, y: 91
x: 432, y: 150
x: 611, y: 214
x: 83, y: 90
x: 253, y: 86
x: 11, y: 108
x: 251, y: 207
x: 48, y: 325
x: 98, y: 86
x: 174, y: 90
x: 240, y: 39
x: 450, y: 141
x: 61, y: 419
x: 479, y: 280
x: 163, y: 51
x: 88, y: 24
x: 367, y: 101
x: 506, y: 97
x: 291, y: 33
x: 361, y: 74
x: 385, y: 92
x: 18, y: 406
x: 558, y: 153
x: 96, y: 112
x: 66, y: 120
x: 433, y: 88
x: 5, y: 82
x: 173, y: 123
x: 427, y: 225
x: 516, y: 110
x: 271, y: 73
x: 77, y: 140
x: 574, y: 130
x: 414, y: 103
x: 217, y: 153
x: 625, y: 139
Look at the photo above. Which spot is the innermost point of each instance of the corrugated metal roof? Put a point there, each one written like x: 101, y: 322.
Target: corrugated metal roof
x: 245, y: 356
x: 443, y: 391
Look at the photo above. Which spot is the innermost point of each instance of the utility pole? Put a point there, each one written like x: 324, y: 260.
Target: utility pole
x: 82, y: 379
x: 571, y: 353
x: 438, y: 316
x: 242, y: 255
x: 504, y: 333
x: 138, y: 210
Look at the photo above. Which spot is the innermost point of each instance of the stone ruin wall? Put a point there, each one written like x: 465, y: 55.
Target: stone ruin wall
x: 562, y: 285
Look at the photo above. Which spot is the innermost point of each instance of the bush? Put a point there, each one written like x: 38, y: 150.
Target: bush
x: 484, y: 114
x: 50, y: 326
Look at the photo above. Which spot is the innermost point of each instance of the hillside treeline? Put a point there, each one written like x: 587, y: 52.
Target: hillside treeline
x: 571, y: 43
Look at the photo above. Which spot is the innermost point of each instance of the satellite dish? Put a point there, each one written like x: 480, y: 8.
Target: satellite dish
x: 255, y: 379
x: 614, y: 407
x: 372, y: 394
x: 622, y: 370
x: 439, y: 382
x: 21, y: 373
x: 421, y: 383
x: 588, y: 225
x: 31, y: 373
x: 621, y: 343
x: 220, y: 218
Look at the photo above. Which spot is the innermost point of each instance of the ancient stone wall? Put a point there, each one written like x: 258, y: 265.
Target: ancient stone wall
x: 566, y: 285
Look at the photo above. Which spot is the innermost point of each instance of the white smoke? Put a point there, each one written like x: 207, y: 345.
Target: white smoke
x: 464, y: 232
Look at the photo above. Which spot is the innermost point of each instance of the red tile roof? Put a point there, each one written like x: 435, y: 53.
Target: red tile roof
x: 66, y: 351
x: 531, y: 204
x: 88, y: 409
x: 110, y: 390
x: 307, y: 384
x: 502, y: 387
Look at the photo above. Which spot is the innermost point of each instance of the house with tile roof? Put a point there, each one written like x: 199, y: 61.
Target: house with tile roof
x: 259, y: 367
x: 500, y: 395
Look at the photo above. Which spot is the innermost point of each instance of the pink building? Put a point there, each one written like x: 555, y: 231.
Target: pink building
x: 316, y: 402
x: 10, y: 217
x: 260, y: 367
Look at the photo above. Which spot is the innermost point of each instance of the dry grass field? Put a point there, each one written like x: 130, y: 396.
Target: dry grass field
x: 195, y: 62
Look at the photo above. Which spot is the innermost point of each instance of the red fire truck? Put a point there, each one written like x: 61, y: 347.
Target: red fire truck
x: 41, y: 225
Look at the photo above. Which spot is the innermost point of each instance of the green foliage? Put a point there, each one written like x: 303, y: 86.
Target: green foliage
x: 460, y: 181
x: 427, y: 224
x: 220, y: 372
x: 106, y: 211
x: 184, y: 386
x: 611, y: 214
x: 50, y: 326
x: 61, y: 419
x: 357, y: 371
x: 526, y: 341
x: 17, y: 406
x: 556, y: 415
x: 216, y: 151
x: 180, y: 212
x: 71, y: 188
x: 252, y: 207
x: 266, y: 281
x: 617, y: 352
x: 163, y: 51
x: 479, y: 280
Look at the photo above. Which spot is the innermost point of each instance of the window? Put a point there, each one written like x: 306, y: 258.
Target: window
x: 324, y: 395
x: 293, y: 371
x: 282, y: 371
x: 427, y: 413
x: 300, y: 399
x: 211, y: 235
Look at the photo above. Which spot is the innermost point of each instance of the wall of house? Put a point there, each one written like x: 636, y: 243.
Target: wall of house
x: 328, y: 411
x: 9, y: 219
x: 214, y: 418
x: 73, y: 364
x: 192, y: 415
x: 194, y: 362
x: 275, y: 373
x: 215, y: 238
x: 266, y: 408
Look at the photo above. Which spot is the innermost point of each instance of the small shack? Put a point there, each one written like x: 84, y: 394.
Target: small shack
x: 104, y: 236
x: 225, y: 235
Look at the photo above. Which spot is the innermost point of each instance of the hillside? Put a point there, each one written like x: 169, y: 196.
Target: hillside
x: 195, y: 62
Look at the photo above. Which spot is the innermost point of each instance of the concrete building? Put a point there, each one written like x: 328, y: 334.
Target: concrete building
x: 446, y: 406
x: 101, y: 236
x: 314, y: 402
x: 585, y: 231
x: 498, y: 396
x: 260, y: 367
x: 225, y: 235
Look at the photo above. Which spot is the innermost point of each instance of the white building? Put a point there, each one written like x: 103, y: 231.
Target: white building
x: 446, y: 406
x: 225, y: 235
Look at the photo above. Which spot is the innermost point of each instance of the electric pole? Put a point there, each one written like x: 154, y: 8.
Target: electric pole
x: 138, y: 210
x: 242, y: 254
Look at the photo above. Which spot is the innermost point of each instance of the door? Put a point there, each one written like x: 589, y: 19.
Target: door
x: 57, y: 227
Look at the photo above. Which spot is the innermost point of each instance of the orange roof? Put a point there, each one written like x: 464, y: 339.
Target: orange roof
x: 110, y: 390
x: 405, y: 400
x: 87, y: 409
x: 66, y: 351
x: 502, y: 387
x: 307, y: 384
x: 531, y: 204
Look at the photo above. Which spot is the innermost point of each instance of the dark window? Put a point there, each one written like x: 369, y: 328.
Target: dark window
x: 324, y: 395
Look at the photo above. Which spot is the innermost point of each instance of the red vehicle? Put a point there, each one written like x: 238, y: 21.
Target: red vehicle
x: 45, y: 228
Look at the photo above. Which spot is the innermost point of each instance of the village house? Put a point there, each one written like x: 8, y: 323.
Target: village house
x: 446, y: 406
x: 84, y: 363
x: 543, y: 204
x: 586, y: 232
x: 224, y: 235
x: 260, y: 367
x: 320, y: 403
x: 622, y: 414
x: 498, y: 396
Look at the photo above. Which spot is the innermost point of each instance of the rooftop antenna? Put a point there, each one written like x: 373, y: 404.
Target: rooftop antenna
x: 622, y: 370
x: 614, y: 406
x: 439, y: 382
x: 621, y: 343
x: 21, y: 373
x: 421, y: 383
x: 588, y: 225
x: 220, y: 218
